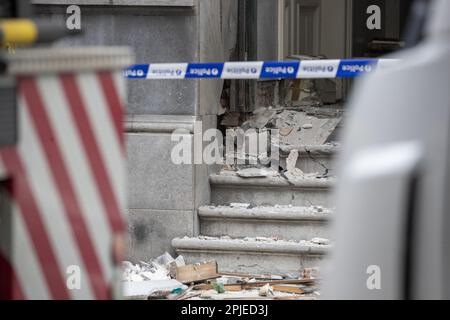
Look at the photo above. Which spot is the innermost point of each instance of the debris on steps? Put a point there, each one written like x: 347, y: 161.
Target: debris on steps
x: 256, y: 173
x: 256, y: 198
x: 318, y: 159
x: 292, y: 172
x: 176, y: 281
x: 260, y: 118
x: 255, y: 255
x: 296, y: 127
x: 250, y: 286
x: 246, y: 220
x: 147, y: 280
x: 156, y: 269
x: 314, y: 161
x: 305, y: 190
x: 248, y: 211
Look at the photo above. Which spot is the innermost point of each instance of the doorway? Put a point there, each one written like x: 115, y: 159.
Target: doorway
x: 315, y: 28
x: 339, y: 29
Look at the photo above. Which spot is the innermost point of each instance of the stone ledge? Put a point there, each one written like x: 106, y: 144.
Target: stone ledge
x: 147, y: 3
x: 158, y: 124
x: 274, y: 182
x: 238, y: 245
x: 265, y: 213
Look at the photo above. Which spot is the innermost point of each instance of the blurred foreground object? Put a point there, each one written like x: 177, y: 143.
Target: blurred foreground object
x: 392, y: 196
x: 62, y: 164
x: 63, y: 184
x: 27, y: 32
x: 19, y: 28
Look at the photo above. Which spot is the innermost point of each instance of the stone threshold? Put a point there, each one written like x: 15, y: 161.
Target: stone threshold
x: 158, y: 123
x: 212, y: 244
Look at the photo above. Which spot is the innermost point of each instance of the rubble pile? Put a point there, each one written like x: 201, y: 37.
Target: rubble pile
x: 166, y: 278
x: 298, y: 129
x: 157, y: 269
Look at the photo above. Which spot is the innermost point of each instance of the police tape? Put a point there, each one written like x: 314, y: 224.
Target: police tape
x: 306, y: 69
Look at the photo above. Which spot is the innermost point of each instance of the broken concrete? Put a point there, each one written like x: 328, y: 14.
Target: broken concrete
x: 155, y: 269
x: 307, y: 129
x: 260, y: 118
x: 312, y: 159
x: 257, y: 173
x: 305, y: 191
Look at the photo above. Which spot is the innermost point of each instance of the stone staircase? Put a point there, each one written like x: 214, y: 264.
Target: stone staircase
x: 266, y: 225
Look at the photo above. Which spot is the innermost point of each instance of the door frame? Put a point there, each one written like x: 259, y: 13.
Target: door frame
x: 348, y: 33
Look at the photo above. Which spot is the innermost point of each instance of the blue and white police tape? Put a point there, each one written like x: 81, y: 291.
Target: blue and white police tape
x: 306, y: 69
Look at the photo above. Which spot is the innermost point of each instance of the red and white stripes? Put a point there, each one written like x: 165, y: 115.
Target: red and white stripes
x: 67, y: 185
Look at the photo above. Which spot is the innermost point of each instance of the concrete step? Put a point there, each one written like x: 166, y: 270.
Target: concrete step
x: 281, y: 221
x: 252, y: 255
x: 228, y: 188
x: 318, y: 158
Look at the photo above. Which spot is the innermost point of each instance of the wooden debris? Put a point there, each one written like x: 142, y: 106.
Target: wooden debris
x: 195, y: 272
x: 251, y: 285
x: 204, y: 282
x: 252, y: 276
x: 288, y: 288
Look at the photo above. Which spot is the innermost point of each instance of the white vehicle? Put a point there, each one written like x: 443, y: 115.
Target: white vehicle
x: 392, y: 197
